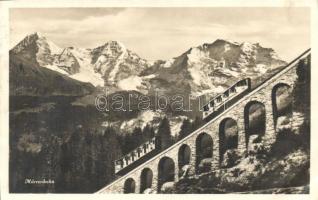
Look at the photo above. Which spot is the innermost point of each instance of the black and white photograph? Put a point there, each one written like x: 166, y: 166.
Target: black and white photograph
x: 158, y: 100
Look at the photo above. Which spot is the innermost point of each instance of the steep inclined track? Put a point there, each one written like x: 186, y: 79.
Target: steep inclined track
x: 114, y: 187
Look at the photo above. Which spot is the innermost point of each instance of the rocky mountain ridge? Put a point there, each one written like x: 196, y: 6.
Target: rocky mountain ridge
x: 101, y: 66
x: 206, y: 69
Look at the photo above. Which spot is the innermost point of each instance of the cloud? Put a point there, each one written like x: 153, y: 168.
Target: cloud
x: 62, y: 13
x: 162, y: 33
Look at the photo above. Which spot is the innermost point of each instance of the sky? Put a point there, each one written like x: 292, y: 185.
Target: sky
x: 163, y: 33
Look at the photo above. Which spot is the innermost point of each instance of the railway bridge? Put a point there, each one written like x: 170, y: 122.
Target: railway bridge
x: 207, y: 142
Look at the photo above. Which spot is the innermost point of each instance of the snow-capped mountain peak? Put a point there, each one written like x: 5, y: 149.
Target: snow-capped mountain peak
x: 247, y: 47
x: 27, y: 41
x: 107, y: 64
x: 115, y: 63
x: 40, y: 41
x: 110, y: 56
x: 38, y: 49
x: 206, y: 68
x: 212, y: 67
x: 112, y: 48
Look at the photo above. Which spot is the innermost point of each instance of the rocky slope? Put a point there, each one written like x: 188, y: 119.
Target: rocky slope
x: 253, y: 174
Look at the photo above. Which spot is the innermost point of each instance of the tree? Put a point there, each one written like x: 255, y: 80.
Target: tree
x: 301, y: 100
x: 302, y: 87
x: 164, y: 134
x: 128, y: 143
x: 185, y: 129
x: 137, y: 137
x: 87, y: 160
x: 104, y: 151
x: 148, y: 132
x: 196, y: 123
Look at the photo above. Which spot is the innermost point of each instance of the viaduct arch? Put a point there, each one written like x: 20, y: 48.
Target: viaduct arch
x: 184, y: 156
x: 129, y: 186
x: 166, y: 171
x: 254, y: 121
x: 145, y: 179
x: 282, y: 100
x: 228, y: 136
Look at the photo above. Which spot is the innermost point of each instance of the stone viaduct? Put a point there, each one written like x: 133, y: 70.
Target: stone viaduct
x: 190, y: 149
